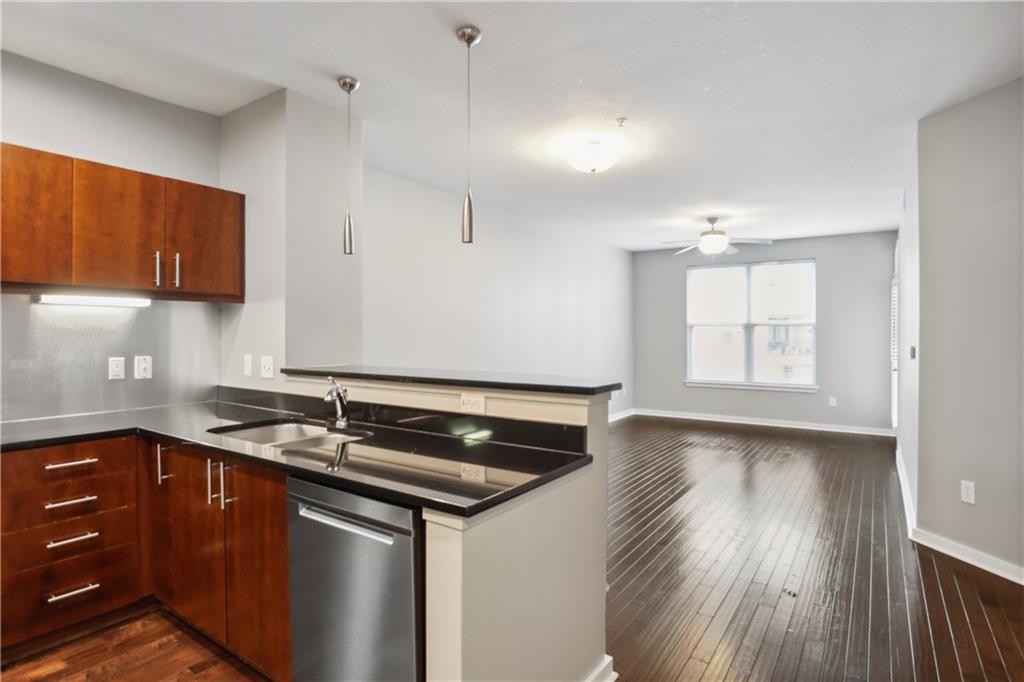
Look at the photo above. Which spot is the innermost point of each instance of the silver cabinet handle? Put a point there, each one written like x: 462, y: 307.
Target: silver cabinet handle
x: 72, y: 593
x: 67, y: 503
x: 326, y: 518
x: 76, y: 463
x: 157, y: 280
x: 54, y: 544
x: 177, y: 270
x: 209, y: 481
x: 160, y: 478
x: 223, y: 495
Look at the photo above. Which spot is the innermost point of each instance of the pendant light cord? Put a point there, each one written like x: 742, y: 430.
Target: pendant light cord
x: 469, y: 85
x: 348, y: 155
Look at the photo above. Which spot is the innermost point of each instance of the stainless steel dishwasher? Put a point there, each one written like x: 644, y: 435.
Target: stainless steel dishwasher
x: 352, y: 575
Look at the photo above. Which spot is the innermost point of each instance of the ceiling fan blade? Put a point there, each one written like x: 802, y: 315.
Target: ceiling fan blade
x: 688, y: 248
x: 750, y: 240
x: 682, y: 241
x: 731, y: 250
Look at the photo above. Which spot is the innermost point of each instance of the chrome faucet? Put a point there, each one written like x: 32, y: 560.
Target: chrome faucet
x: 339, y: 396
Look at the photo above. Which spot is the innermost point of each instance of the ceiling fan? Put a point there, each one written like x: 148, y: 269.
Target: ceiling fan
x: 713, y: 241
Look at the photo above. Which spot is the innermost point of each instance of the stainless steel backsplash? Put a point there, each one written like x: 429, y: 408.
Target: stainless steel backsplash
x: 54, y: 358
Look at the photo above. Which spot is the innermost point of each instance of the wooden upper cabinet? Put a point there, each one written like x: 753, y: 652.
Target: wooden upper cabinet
x: 35, y: 216
x: 205, y: 239
x: 117, y: 227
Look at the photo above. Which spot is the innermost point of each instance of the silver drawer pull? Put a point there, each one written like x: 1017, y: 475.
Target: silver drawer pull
x: 72, y: 593
x: 333, y: 521
x: 76, y: 463
x: 67, y: 503
x: 53, y: 544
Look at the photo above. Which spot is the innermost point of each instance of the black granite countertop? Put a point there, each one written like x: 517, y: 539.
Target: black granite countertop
x: 540, y: 383
x: 398, y: 465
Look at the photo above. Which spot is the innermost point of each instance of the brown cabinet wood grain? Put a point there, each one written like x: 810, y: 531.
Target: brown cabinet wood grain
x: 259, y: 623
x: 30, y: 507
x: 56, y: 463
x: 117, y: 227
x: 35, y: 216
x: 205, y: 239
x: 41, y: 545
x: 195, y: 561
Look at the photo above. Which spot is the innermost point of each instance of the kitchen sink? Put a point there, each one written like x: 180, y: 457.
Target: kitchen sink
x: 290, y: 435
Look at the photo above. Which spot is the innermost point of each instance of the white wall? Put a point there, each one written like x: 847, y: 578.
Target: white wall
x: 972, y: 323
x: 854, y: 276
x: 54, y: 359
x: 523, y: 298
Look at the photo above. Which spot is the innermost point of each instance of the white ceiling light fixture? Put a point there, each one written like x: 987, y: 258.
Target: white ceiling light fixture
x: 349, y: 85
x: 591, y: 151
x: 714, y: 242
x: 95, y: 301
x: 470, y: 35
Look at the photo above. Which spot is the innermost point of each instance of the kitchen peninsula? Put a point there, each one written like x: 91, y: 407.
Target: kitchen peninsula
x: 501, y: 480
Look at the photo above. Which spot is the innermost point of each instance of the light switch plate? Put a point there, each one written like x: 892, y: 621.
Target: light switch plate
x: 143, y: 366
x: 832, y: 401
x: 267, y: 366
x: 247, y: 364
x: 967, y: 492
x: 474, y: 403
x: 115, y: 368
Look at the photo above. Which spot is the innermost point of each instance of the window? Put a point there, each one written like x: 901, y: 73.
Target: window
x: 752, y: 324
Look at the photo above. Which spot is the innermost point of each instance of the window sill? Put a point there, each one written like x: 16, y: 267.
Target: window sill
x: 784, y: 388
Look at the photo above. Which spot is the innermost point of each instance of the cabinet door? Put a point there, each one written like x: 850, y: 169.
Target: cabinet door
x: 35, y: 205
x: 156, y: 481
x: 117, y: 227
x: 259, y: 626
x: 205, y: 240
x: 196, y: 588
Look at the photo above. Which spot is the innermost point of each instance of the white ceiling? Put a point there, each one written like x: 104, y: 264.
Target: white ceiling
x: 788, y: 119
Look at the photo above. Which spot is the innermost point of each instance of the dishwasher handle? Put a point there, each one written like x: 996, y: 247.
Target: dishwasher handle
x: 334, y: 521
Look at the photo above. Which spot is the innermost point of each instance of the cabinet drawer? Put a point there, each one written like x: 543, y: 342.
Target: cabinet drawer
x: 69, y: 499
x: 66, y: 539
x: 43, y: 466
x: 43, y: 599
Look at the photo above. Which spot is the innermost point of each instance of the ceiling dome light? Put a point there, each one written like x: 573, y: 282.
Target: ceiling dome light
x: 590, y: 151
x: 713, y: 242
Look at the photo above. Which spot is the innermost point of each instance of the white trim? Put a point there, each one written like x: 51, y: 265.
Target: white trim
x: 616, y: 416
x: 751, y: 386
x: 970, y: 555
x: 781, y: 423
x: 909, y: 503
x: 603, y: 672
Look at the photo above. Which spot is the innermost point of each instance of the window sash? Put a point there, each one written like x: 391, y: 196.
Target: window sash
x: 748, y: 332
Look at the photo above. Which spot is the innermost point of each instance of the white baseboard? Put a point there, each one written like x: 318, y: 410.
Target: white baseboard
x: 603, y: 672
x: 616, y: 416
x: 909, y: 503
x: 781, y: 423
x: 970, y: 555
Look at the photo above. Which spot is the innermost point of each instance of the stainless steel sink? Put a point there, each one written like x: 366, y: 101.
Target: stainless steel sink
x: 276, y: 434
x: 328, y: 441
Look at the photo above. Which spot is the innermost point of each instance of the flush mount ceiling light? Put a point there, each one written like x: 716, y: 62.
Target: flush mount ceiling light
x: 591, y: 151
x: 349, y: 85
x: 470, y: 36
x: 96, y: 301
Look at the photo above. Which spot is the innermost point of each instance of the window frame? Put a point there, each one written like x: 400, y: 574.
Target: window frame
x: 748, y: 334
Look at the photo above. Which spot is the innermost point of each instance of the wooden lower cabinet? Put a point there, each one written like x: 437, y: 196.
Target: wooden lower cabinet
x: 223, y: 569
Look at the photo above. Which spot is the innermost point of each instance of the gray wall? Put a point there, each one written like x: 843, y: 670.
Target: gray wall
x: 854, y: 278
x: 54, y: 359
x: 972, y: 322
x: 524, y: 297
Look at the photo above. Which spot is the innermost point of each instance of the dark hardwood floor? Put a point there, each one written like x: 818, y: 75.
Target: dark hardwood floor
x: 155, y: 646
x: 733, y: 553
x: 764, y: 554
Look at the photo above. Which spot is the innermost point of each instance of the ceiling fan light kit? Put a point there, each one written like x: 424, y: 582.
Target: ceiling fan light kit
x: 715, y: 242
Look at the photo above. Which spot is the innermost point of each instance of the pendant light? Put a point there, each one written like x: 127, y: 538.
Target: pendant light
x: 349, y: 85
x: 470, y: 35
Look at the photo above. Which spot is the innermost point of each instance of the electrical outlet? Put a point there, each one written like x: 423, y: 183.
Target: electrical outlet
x: 143, y: 366
x: 967, y: 491
x: 247, y: 364
x: 832, y: 401
x: 267, y: 366
x: 115, y: 368
x: 475, y: 403
x: 474, y: 472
